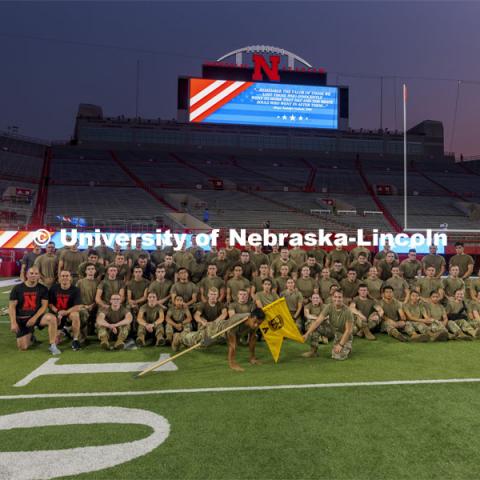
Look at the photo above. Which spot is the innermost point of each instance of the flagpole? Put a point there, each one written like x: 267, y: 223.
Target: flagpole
x: 405, y: 192
x: 193, y: 347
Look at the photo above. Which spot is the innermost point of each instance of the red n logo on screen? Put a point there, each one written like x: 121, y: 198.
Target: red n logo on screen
x: 260, y: 65
x: 62, y: 302
x: 29, y: 301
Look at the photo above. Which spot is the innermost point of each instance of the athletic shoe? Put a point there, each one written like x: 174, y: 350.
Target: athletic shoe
x: 53, y: 349
x: 76, y: 345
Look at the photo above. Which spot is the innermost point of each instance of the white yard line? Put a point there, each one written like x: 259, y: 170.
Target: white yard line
x: 243, y: 389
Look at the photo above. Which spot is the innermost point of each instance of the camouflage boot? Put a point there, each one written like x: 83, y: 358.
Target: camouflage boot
x: 368, y: 334
x: 420, y: 338
x: 441, y: 336
x: 394, y: 333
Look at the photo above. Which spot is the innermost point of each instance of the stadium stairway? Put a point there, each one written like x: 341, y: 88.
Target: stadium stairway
x: 141, y: 184
x: 378, y: 203
x: 438, y: 184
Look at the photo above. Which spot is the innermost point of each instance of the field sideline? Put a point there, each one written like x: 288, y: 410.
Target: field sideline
x: 426, y: 430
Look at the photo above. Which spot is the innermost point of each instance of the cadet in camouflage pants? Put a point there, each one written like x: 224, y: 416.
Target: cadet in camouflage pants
x: 458, y: 320
x: 189, y: 338
x: 114, y: 323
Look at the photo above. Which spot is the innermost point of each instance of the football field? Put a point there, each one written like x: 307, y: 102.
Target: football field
x: 391, y: 411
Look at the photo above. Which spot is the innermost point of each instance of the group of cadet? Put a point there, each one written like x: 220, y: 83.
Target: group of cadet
x: 169, y: 297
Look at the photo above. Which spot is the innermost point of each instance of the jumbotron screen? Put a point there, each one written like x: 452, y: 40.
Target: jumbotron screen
x: 267, y: 104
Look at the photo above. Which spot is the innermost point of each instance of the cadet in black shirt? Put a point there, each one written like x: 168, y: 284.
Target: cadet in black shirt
x: 64, y: 300
x: 27, y: 306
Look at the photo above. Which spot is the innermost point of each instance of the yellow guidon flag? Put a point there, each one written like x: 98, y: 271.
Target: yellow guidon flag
x: 278, y: 324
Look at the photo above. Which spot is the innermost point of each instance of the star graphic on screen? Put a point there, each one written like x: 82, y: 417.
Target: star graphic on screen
x: 292, y: 117
x: 278, y: 116
x: 300, y: 117
x: 284, y: 117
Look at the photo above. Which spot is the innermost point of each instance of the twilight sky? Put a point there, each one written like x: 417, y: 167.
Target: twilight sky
x: 43, y: 81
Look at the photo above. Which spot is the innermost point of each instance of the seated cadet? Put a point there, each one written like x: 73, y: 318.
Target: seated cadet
x: 88, y: 310
x: 294, y: 301
x: 436, y: 314
x: 416, y: 327
x: 266, y: 295
x: 64, y: 302
x: 306, y: 285
x: 113, y: 324
x: 349, y: 286
x: 161, y: 287
x: 401, y: 289
x: 323, y: 332
x: 367, y: 314
x: 341, y: 320
x: 458, y: 319
x: 109, y: 286
x: 427, y: 284
x: 210, y: 310
x: 178, y: 319
x: 151, y: 322
x: 393, y: 318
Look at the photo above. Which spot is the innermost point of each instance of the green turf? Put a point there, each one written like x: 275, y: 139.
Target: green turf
x: 375, y: 432
x: 66, y: 436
